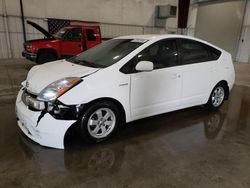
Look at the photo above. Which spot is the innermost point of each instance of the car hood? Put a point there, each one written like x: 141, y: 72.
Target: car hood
x: 41, y: 76
x: 39, y: 28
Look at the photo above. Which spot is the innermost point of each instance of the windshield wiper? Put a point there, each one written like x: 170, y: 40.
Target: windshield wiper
x: 82, y: 62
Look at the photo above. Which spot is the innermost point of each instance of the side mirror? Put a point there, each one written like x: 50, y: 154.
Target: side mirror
x: 144, y: 66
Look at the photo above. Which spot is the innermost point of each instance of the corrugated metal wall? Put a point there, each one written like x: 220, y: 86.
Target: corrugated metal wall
x: 113, y: 30
x: 14, y: 23
x: 16, y: 35
x: 3, y: 42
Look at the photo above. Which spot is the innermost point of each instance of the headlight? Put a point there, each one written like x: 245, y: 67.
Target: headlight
x: 57, y: 88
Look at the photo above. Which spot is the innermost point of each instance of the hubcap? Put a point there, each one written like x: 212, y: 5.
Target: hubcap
x: 218, y: 96
x: 101, y: 123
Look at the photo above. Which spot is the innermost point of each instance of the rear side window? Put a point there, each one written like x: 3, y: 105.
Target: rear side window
x: 197, y: 52
x: 193, y: 52
x: 90, y: 35
x: 214, y: 53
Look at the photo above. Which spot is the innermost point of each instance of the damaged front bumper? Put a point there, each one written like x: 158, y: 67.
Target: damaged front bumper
x: 41, y: 126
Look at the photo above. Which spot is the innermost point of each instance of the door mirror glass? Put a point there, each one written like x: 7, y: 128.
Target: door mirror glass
x: 144, y: 66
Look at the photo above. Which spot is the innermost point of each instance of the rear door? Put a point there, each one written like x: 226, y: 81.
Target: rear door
x: 72, y: 42
x: 198, y: 66
x: 92, y: 36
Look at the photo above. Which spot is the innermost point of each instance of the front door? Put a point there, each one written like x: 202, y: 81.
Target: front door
x: 92, y: 36
x: 160, y: 90
x: 72, y: 42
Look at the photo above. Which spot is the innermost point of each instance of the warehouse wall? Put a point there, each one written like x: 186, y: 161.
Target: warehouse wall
x: 117, y: 17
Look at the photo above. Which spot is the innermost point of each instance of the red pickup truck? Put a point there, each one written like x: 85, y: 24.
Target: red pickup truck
x: 67, y: 42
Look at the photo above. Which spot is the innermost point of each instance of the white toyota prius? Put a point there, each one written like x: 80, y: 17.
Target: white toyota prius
x: 118, y: 81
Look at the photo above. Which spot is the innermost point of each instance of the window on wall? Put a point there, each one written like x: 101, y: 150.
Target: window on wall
x: 73, y: 35
x: 163, y: 54
x: 193, y: 52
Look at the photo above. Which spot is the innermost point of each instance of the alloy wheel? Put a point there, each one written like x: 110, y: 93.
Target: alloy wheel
x: 101, y: 123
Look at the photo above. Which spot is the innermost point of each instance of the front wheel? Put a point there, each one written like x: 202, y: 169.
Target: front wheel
x: 100, y: 121
x: 45, y: 57
x: 217, y: 97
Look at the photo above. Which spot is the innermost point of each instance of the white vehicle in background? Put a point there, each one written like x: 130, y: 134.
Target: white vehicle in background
x: 121, y: 80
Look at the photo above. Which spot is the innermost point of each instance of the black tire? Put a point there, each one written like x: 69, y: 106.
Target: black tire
x: 211, y: 105
x: 45, y: 57
x: 86, y: 129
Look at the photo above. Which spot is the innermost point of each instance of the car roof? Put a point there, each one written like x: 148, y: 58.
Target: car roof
x: 154, y: 36
x: 165, y: 36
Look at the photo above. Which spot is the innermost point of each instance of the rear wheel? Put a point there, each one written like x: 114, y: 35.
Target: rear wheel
x: 44, y: 57
x: 100, y: 121
x: 217, y: 97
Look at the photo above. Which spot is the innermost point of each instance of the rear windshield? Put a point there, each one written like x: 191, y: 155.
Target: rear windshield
x: 107, y: 53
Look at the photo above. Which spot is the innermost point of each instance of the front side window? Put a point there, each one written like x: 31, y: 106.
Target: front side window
x: 107, y: 53
x: 162, y: 54
x: 73, y: 35
x: 193, y: 52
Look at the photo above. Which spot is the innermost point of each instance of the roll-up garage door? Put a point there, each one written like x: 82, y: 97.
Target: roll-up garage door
x: 220, y: 23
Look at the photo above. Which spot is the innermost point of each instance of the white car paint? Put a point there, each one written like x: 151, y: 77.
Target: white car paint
x: 155, y: 92
x: 49, y: 132
x: 141, y: 95
x: 41, y: 75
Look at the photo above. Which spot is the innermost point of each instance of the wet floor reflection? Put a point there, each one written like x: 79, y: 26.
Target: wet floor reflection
x: 187, y: 148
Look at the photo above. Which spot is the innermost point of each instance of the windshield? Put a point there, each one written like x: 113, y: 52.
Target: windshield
x: 107, y: 53
x: 59, y: 34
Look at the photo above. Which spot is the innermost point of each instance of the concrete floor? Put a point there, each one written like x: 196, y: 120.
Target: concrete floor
x: 187, y: 148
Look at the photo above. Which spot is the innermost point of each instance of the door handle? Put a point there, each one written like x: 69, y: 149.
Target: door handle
x: 79, y: 45
x: 176, y: 76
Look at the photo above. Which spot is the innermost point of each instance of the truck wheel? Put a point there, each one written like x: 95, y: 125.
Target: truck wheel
x: 44, y: 57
